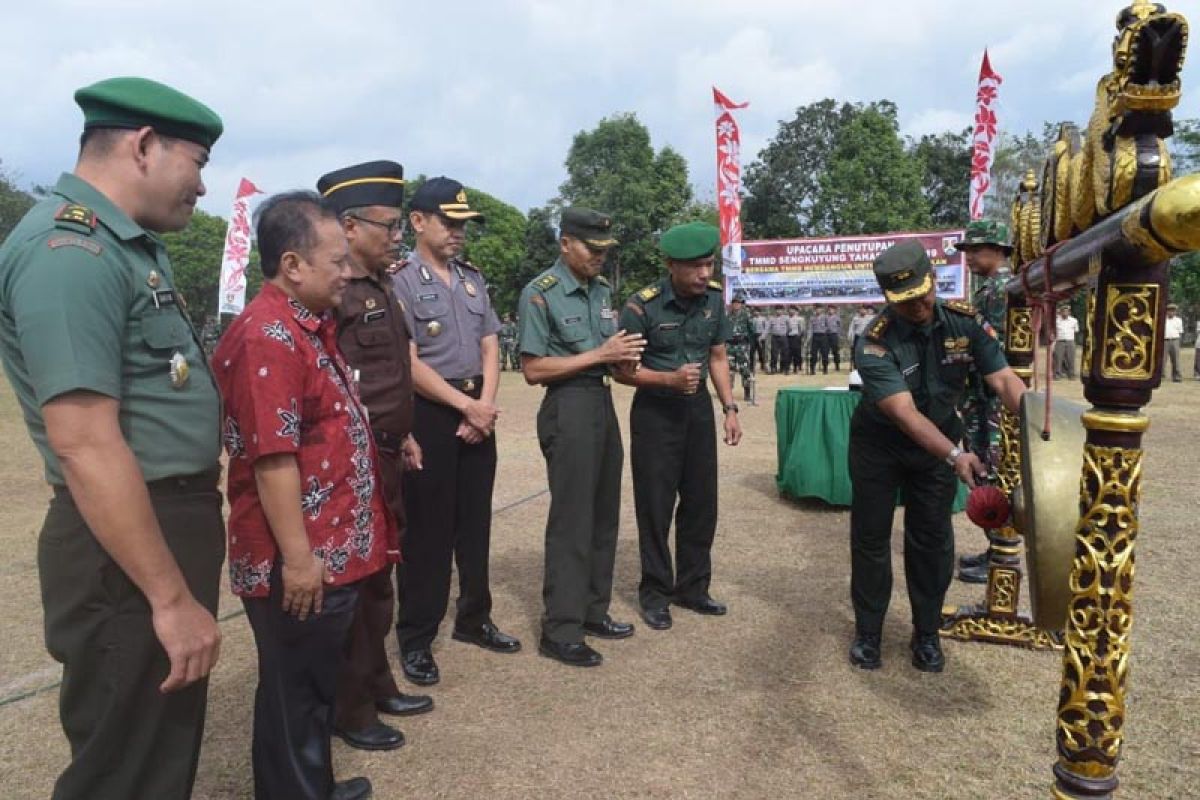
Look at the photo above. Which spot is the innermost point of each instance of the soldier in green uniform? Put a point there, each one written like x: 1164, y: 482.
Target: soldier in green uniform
x: 568, y: 341
x: 914, y: 359
x: 508, y: 343
x: 986, y: 247
x: 741, y: 340
x: 673, y: 444
x: 118, y: 398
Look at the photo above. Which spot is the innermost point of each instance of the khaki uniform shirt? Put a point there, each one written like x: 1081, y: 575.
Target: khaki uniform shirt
x: 374, y: 341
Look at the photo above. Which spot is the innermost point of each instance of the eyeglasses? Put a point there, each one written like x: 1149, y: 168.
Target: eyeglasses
x: 394, y: 227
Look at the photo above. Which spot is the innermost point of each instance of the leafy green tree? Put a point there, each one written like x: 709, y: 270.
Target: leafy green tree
x: 783, y: 183
x: 870, y: 184
x: 946, y: 163
x: 1015, y: 156
x: 614, y: 168
x: 13, y: 203
x: 538, y: 253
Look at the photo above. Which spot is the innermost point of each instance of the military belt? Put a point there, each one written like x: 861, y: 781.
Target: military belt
x: 205, y: 481
x: 583, y: 381
x: 388, y: 442
x: 472, y: 386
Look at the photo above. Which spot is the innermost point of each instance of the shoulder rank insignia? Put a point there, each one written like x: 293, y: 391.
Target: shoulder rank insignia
x: 546, y: 282
x: 467, y: 264
x: 878, y: 328
x: 649, y: 293
x: 603, y: 281
x: 396, y: 266
x: 716, y: 286
x: 75, y: 216
x: 960, y: 307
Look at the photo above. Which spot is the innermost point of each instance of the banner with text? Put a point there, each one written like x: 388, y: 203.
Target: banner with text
x: 837, y: 270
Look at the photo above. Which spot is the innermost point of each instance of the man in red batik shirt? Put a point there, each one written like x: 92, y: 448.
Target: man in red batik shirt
x: 308, y: 519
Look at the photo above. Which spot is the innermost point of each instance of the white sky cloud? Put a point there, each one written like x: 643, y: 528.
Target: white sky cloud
x: 491, y: 92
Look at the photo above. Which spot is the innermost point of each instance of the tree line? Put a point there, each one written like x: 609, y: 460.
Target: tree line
x: 834, y: 168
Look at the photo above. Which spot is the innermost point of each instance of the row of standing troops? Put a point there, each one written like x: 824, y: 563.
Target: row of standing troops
x: 355, y: 405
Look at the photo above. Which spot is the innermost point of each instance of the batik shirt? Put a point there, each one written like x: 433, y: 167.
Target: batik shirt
x: 287, y: 389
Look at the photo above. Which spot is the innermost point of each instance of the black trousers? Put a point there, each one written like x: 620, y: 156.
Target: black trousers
x: 449, y: 510
x: 882, y: 463
x: 796, y: 353
x: 581, y: 441
x: 853, y: 347
x: 818, y: 349
x: 298, y: 665
x: 366, y: 675
x: 673, y: 455
x: 781, y: 354
x: 127, y: 739
x: 833, y: 350
x: 759, y: 350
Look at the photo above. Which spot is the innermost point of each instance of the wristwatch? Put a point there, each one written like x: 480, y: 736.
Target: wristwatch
x: 730, y: 407
x: 952, y: 457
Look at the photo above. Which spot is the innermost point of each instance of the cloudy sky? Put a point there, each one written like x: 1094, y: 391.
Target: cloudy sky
x: 492, y: 92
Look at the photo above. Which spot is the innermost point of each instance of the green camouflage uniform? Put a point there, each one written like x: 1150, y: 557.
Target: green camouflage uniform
x: 980, y: 407
x: 740, y: 341
x: 508, y: 345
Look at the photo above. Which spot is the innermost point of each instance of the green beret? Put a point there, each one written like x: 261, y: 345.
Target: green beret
x: 590, y: 227
x: 903, y: 271
x: 985, y: 232
x: 690, y: 241
x: 139, y: 102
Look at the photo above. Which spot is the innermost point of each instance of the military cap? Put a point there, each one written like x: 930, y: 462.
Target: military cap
x: 445, y: 196
x: 140, y: 102
x: 375, y: 183
x: 738, y: 297
x: 903, y: 271
x: 690, y: 241
x: 1172, y: 306
x: 984, y: 231
x: 590, y: 227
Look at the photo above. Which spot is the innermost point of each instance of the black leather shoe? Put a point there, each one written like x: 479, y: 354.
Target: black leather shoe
x: 977, y: 574
x: 489, y: 637
x: 375, y: 736
x: 420, y: 668
x: 405, y: 705
x: 353, y: 789
x: 657, y: 618
x: 608, y: 629
x: 574, y: 654
x: 973, y: 561
x: 865, y: 652
x: 703, y: 605
x: 927, y: 652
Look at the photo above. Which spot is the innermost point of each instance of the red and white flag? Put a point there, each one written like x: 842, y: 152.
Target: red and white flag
x: 729, y: 182
x: 984, y: 138
x: 231, y: 298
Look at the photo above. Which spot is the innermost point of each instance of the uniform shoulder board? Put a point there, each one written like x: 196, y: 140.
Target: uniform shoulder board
x: 649, y: 293
x: 716, y: 286
x: 546, y: 282
x: 396, y: 266
x: 75, y: 217
x: 603, y: 281
x: 464, y: 263
x: 877, y: 329
x: 960, y: 307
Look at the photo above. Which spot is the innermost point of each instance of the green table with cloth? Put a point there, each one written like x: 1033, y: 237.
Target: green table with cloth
x: 813, y: 431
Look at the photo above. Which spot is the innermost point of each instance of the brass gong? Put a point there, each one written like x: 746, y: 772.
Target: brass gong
x: 1046, y: 504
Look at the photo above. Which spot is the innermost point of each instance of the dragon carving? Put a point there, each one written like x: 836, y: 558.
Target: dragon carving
x: 1123, y: 155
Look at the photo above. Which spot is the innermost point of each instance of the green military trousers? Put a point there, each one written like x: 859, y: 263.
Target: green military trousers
x: 127, y: 739
x: 883, y: 462
x: 581, y: 441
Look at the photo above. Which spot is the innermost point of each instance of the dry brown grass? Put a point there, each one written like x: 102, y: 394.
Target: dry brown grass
x: 759, y: 704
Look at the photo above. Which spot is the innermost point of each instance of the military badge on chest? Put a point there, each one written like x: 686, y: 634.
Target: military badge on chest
x: 958, y: 351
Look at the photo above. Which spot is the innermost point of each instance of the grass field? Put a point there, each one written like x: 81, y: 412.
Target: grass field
x: 758, y: 704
